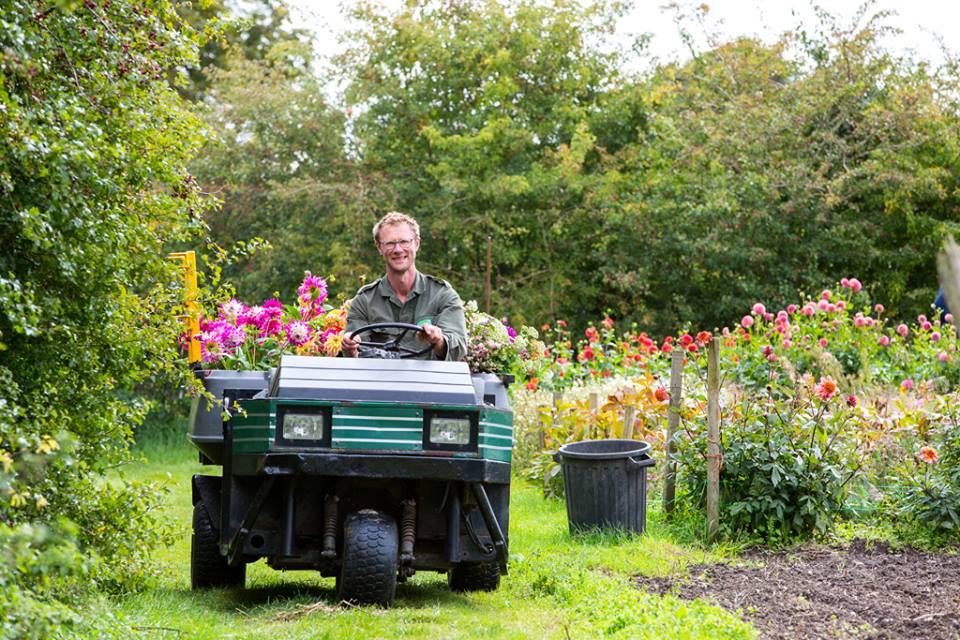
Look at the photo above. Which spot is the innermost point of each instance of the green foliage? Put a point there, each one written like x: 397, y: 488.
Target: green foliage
x: 926, y: 493
x: 481, y: 117
x: 787, y: 461
x: 769, y: 169
x: 276, y: 158
x: 248, y: 28
x: 93, y: 187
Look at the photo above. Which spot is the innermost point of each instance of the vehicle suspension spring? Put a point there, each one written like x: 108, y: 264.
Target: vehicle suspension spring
x: 408, y: 526
x: 330, y: 527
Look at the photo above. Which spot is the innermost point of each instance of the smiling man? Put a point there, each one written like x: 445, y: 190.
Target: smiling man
x: 404, y: 294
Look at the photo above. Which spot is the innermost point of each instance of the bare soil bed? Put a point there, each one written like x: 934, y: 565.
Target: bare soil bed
x: 861, y: 591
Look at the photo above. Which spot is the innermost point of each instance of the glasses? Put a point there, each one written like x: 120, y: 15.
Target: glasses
x: 406, y: 243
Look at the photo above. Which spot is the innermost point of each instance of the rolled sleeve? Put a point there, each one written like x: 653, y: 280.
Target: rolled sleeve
x: 451, y: 321
x: 358, y: 315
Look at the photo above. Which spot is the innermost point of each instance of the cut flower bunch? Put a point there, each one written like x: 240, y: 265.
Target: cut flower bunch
x: 246, y: 337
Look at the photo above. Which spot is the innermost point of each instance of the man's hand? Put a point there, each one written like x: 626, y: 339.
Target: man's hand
x: 434, y: 336
x: 349, y: 348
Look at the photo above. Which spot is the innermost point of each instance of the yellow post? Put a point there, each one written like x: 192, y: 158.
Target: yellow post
x: 188, y: 260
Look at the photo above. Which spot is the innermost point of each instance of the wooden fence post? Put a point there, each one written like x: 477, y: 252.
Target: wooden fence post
x: 673, y: 423
x: 713, y: 439
x: 629, y: 416
x: 593, y: 404
x: 542, y: 426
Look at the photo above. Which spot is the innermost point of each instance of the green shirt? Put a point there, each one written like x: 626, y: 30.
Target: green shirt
x: 431, y: 300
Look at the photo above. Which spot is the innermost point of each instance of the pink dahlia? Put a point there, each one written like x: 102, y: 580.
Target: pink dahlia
x: 759, y: 309
x: 297, y: 332
x: 746, y: 321
x: 211, y: 349
x: 902, y: 330
x: 231, y: 310
x: 311, y: 294
x: 268, y: 321
x: 232, y: 337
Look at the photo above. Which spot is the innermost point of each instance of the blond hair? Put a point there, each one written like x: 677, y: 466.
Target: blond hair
x: 394, y: 218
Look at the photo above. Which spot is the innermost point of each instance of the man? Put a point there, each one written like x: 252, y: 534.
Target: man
x: 404, y: 294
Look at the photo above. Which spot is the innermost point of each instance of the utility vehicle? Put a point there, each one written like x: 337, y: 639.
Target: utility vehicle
x: 364, y: 469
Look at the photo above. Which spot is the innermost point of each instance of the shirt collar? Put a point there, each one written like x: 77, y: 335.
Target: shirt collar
x: 419, y: 285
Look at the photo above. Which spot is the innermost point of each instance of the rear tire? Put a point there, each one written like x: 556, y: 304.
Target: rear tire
x: 474, y: 576
x: 368, y: 574
x: 208, y: 567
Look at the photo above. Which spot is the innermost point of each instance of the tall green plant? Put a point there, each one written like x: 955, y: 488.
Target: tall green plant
x: 788, y: 458
x: 93, y: 187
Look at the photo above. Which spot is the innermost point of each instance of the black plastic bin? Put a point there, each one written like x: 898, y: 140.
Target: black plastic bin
x: 605, y: 483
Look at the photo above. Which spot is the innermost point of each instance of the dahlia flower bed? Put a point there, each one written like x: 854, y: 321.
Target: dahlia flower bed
x: 830, y: 411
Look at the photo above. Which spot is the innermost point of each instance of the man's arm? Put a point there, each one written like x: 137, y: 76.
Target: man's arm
x: 451, y: 322
x: 357, y: 317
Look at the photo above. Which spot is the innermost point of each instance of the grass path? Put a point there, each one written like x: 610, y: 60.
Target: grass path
x: 559, y: 586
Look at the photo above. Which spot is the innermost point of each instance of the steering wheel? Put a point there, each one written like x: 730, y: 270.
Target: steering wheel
x: 391, y: 348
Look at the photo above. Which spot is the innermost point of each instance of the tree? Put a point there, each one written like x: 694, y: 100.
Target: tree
x: 93, y: 186
x: 486, y: 120
x: 251, y: 28
x: 277, y: 159
x: 773, y: 168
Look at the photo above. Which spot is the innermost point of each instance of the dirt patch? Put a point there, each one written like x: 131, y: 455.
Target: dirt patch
x: 862, y: 591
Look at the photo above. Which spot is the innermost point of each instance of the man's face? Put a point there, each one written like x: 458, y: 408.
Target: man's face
x: 398, y: 245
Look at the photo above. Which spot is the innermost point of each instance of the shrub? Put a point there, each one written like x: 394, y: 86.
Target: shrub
x: 93, y: 148
x: 926, y: 493
x: 787, y: 460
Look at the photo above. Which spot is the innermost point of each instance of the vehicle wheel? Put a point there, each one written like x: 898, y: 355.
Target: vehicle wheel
x: 368, y: 573
x: 208, y: 567
x: 474, y: 576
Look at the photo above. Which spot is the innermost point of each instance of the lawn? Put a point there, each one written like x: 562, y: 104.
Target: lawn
x: 558, y: 586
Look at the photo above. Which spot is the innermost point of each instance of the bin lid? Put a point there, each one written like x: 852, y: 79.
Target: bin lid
x: 612, y: 449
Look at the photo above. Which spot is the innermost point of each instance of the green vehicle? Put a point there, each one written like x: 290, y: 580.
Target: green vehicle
x: 364, y: 469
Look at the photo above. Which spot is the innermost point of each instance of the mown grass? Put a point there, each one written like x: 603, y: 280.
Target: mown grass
x: 559, y: 586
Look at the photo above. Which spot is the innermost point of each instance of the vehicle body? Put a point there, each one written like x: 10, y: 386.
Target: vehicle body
x: 366, y: 469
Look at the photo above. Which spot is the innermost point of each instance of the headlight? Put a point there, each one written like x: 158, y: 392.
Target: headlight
x: 447, y: 431
x: 303, y: 426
